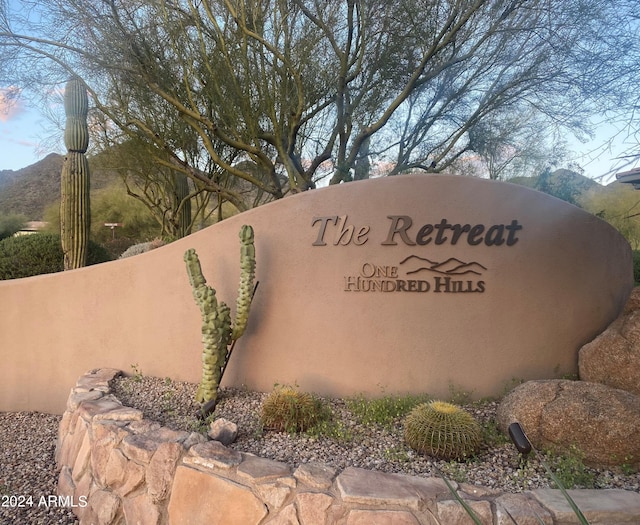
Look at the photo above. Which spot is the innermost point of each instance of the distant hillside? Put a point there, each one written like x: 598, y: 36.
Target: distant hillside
x: 562, y: 183
x: 30, y: 190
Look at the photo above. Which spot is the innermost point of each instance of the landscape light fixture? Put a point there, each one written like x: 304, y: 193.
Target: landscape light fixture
x: 519, y: 438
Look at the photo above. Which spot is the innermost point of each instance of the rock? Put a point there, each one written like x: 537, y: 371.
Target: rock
x: 223, y: 430
x: 613, y: 358
x: 602, y: 422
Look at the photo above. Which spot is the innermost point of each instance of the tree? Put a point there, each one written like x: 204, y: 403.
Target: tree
x: 291, y: 85
x: 619, y: 205
x: 10, y: 224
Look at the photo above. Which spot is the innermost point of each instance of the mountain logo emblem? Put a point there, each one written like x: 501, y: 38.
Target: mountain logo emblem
x: 452, y: 266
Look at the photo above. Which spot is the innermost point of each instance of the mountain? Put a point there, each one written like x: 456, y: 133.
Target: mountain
x: 562, y: 183
x: 28, y: 191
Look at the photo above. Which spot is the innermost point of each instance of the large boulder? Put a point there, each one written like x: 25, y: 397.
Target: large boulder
x: 613, y: 358
x: 603, y: 422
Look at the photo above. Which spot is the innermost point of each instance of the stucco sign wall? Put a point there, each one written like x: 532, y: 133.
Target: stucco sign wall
x: 417, y: 283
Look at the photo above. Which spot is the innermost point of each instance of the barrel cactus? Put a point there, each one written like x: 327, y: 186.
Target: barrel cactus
x: 219, y: 331
x: 75, y: 219
x: 288, y: 410
x: 442, y: 430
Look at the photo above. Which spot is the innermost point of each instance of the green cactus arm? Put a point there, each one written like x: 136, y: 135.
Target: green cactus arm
x: 247, y: 276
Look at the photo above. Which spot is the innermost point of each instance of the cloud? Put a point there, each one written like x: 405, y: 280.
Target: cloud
x: 10, y: 103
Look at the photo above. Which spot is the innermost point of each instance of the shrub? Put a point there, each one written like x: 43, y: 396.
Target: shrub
x: 385, y: 410
x: 10, y: 224
x: 142, y: 247
x: 442, y: 430
x: 39, y: 253
x: 289, y: 410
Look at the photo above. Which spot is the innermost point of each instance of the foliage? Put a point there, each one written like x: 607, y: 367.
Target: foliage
x: 10, y: 224
x: 219, y: 332
x: 570, y: 470
x: 288, y: 410
x: 143, y: 247
x: 169, y: 197
x: 39, y: 253
x: 619, y: 205
x: 303, y: 89
x: 111, y: 204
x: 442, y: 430
x: 384, y: 410
x: 564, y: 184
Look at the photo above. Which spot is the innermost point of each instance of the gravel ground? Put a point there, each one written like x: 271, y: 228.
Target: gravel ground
x: 27, y: 447
x: 28, y: 475
x: 346, y: 441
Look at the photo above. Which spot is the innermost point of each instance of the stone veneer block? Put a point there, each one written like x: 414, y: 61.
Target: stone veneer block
x: 159, y: 474
x: 83, y: 457
x: 140, y: 510
x: 383, y: 517
x: 361, y: 486
x: 89, y: 409
x: 198, y: 497
x: 520, y: 509
x: 97, y: 379
x: 105, y: 436
x: 76, y: 398
x: 213, y: 454
x: 312, y: 507
x: 66, y: 486
x: 120, y: 414
x: 115, y: 469
x: 139, y: 447
x: 287, y: 516
x: 316, y: 475
x: 133, y: 478
x: 452, y: 512
x: 610, y: 506
x: 258, y: 470
x: 105, y: 504
x: 273, y: 494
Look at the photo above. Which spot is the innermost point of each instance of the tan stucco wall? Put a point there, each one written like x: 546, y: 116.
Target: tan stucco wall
x: 563, y: 281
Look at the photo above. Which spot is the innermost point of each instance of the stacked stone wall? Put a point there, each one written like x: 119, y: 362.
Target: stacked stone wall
x: 118, y: 468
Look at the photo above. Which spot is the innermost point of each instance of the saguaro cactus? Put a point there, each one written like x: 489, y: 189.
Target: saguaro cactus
x: 74, y: 182
x: 218, y: 331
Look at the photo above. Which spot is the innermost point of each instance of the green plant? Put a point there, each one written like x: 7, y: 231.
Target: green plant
x: 10, y: 224
x: 219, y: 333
x: 458, y: 395
x: 137, y: 373
x: 442, y: 430
x: 329, y: 427
x: 38, y: 253
x: 288, y: 410
x: 627, y: 467
x: 75, y: 220
x: 384, y: 410
x: 570, y: 470
x: 397, y: 454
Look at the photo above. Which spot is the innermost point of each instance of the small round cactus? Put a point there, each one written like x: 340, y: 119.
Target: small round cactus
x: 442, y: 430
x: 289, y: 410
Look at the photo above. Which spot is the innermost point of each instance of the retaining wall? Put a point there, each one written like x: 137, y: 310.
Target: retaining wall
x: 117, y: 468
